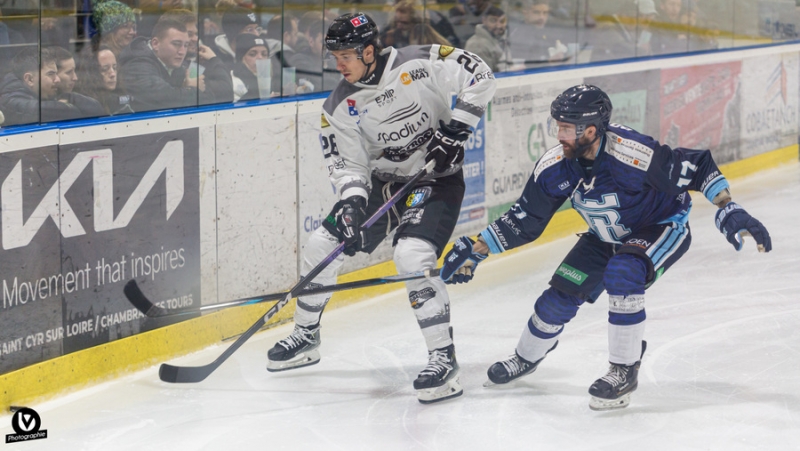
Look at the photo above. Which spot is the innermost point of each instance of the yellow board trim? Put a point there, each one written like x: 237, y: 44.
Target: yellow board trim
x: 81, y: 369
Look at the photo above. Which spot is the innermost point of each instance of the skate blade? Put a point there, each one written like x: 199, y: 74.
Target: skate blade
x: 452, y: 389
x: 305, y: 359
x: 489, y: 383
x: 600, y: 404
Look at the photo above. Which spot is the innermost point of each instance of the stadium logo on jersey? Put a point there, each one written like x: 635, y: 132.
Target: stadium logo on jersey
x: 573, y: 275
x: 417, y: 298
x: 324, y: 122
x: 417, y: 196
x: 358, y: 21
x: 445, y: 51
x: 351, y: 107
x: 386, y: 98
x: 409, y: 129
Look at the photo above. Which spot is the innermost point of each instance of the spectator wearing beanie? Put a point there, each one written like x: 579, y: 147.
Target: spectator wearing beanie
x: 249, y: 50
x: 115, y: 24
x: 235, y: 21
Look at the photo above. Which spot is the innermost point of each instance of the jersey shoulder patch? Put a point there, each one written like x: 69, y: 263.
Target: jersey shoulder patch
x: 343, y: 90
x: 550, y: 158
x: 410, y: 53
x: 629, y: 151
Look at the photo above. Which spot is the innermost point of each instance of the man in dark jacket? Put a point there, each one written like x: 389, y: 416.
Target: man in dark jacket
x: 65, y: 64
x: 31, y: 86
x: 152, y: 69
x: 201, y: 60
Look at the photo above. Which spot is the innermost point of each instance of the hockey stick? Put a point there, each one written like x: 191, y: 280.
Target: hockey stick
x: 144, y: 305
x: 171, y: 373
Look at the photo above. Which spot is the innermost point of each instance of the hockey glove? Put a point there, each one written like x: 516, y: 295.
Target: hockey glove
x: 447, y: 145
x: 733, y: 221
x: 460, y: 263
x: 351, y: 214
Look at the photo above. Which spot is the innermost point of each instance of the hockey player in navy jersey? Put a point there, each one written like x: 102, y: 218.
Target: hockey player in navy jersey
x: 391, y: 115
x: 633, y: 192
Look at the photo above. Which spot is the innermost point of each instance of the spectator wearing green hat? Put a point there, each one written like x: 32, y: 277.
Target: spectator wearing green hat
x: 116, y: 26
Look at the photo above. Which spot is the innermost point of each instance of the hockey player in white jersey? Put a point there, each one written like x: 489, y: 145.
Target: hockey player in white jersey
x: 391, y: 115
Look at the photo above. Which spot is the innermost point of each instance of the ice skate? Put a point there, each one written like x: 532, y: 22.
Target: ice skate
x: 439, y: 380
x: 613, y: 391
x: 506, y: 371
x: 297, y: 350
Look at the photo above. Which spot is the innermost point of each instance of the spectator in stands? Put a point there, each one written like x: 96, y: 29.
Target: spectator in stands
x: 409, y: 27
x: 9, y: 41
x: 98, y: 78
x: 152, y: 69
x: 532, y: 39
x: 671, y: 36
x: 281, y: 38
x: 235, y: 20
x: 646, y: 14
x: 466, y: 15
x: 152, y: 10
x: 311, y: 63
x: 700, y: 38
x: 31, y: 86
x: 202, y: 61
x: 412, y: 17
x: 490, y: 40
x: 250, y: 50
x: 116, y: 27
x: 65, y: 67
x: 285, y: 33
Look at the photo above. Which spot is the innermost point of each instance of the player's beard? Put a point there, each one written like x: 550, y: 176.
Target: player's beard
x: 577, y: 148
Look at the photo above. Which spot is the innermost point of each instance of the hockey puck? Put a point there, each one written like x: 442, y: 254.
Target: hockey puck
x: 13, y: 409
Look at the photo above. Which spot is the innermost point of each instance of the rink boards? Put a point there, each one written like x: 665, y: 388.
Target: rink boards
x: 207, y: 207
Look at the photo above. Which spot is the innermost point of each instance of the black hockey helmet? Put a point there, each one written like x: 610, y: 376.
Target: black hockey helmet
x: 352, y: 31
x: 583, y: 105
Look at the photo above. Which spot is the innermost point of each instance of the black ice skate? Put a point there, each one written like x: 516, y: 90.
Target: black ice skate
x: 506, y: 371
x: 439, y: 380
x: 297, y: 350
x: 613, y: 391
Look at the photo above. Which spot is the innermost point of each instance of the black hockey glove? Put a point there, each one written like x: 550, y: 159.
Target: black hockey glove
x: 732, y: 221
x: 350, y: 214
x: 460, y: 263
x: 447, y: 145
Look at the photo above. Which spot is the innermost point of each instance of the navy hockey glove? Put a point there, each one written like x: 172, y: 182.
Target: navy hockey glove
x: 732, y: 221
x: 350, y: 214
x: 460, y: 263
x: 447, y: 145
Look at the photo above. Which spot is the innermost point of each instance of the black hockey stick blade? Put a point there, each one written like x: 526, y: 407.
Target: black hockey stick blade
x: 172, y: 373
x: 147, y: 307
x: 140, y: 301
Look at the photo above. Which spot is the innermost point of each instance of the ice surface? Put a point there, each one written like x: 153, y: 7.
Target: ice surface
x: 722, y: 369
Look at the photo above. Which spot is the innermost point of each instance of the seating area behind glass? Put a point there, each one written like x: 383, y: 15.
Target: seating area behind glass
x: 64, y: 60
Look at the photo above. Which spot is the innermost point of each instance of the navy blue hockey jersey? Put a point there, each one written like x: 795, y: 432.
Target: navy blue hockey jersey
x: 634, y: 182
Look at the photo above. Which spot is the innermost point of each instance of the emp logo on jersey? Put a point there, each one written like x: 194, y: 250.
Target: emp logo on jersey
x: 358, y: 21
x: 351, y: 107
x: 417, y: 298
x: 26, y: 423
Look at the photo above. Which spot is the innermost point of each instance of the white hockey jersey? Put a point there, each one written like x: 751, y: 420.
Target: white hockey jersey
x: 384, y: 128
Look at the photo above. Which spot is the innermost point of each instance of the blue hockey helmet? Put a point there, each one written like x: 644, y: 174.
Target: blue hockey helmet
x: 352, y: 31
x: 583, y: 105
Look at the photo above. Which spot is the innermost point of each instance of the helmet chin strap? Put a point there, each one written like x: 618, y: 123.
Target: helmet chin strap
x: 367, y: 65
x: 582, y: 149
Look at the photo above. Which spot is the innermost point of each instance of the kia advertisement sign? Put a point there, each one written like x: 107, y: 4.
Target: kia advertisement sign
x: 78, y: 221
